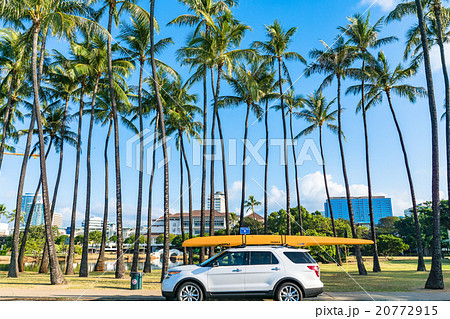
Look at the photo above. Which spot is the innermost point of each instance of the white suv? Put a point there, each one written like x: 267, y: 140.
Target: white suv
x: 282, y: 273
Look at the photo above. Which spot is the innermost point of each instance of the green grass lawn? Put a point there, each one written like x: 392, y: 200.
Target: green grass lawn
x: 398, y: 274
x: 96, y: 280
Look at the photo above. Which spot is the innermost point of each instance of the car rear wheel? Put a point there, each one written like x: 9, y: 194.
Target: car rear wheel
x: 189, y: 291
x: 289, y: 292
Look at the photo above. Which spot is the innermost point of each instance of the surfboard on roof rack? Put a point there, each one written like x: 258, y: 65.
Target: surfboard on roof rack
x: 272, y: 240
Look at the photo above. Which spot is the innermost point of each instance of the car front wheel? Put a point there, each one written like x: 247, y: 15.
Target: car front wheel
x: 189, y: 291
x: 289, y: 292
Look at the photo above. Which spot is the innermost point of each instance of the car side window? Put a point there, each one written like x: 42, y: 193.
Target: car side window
x: 263, y: 258
x: 231, y: 259
x: 300, y: 257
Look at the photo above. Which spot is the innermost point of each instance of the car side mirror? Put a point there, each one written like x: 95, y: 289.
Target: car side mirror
x: 215, y: 264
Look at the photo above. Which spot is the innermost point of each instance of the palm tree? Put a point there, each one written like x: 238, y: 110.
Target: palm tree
x: 268, y: 90
x: 63, y: 86
x: 202, y: 11
x: 317, y: 112
x: 136, y: 36
x: 335, y: 62
x: 275, y: 49
x: 435, y: 279
x: 92, y: 63
x: 113, y: 14
x: 165, y: 264
x: 246, y: 84
x: 384, y: 80
x: 103, y: 115
x: 293, y: 103
x: 436, y: 19
x: 251, y: 203
x: 44, y: 17
x: 82, y: 80
x: 181, y: 112
x: 14, y: 63
x: 56, y: 133
x: 364, y: 36
x: 226, y: 34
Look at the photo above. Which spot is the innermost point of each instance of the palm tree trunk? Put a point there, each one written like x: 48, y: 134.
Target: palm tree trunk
x: 437, y: 12
x: 30, y: 217
x: 44, y: 263
x: 7, y: 117
x: 266, y: 166
x: 376, y: 262
x: 120, y: 266
x: 244, y: 155
x: 325, y: 180
x: 100, y: 265
x: 84, y: 269
x: 13, y: 269
x: 203, y: 191
x: 56, y: 276
x: 137, y: 237
x: 420, y: 261
x: 183, y: 235
x: 300, y: 220
x: 435, y: 279
x: 213, y: 152
x: 147, y: 264
x: 61, y: 156
x: 224, y: 172
x: 43, y: 268
x: 191, y: 230
x: 70, y: 256
x: 286, y: 164
x: 361, y: 268
x: 165, y: 264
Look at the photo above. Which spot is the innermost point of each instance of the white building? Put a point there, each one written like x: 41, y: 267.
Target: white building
x: 95, y: 223
x: 175, y: 223
x: 219, y: 202
x: 57, y: 220
x: 4, y: 230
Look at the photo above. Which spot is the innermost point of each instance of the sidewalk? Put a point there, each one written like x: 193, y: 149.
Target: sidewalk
x: 148, y: 295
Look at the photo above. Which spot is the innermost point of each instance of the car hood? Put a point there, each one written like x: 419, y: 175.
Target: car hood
x: 184, y: 268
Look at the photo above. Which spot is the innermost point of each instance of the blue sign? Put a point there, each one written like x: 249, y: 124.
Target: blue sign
x: 245, y: 230
x: 68, y: 231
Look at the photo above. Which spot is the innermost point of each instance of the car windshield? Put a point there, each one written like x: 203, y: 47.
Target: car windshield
x: 210, y: 259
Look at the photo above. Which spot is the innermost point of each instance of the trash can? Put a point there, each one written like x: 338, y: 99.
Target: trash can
x: 136, y: 280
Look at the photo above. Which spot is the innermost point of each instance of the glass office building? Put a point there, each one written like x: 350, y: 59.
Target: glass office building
x: 38, y: 212
x: 382, y: 207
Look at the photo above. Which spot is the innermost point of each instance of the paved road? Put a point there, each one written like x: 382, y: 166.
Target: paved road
x: 125, y: 294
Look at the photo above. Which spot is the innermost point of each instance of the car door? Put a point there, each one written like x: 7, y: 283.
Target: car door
x: 263, y: 271
x: 228, y: 273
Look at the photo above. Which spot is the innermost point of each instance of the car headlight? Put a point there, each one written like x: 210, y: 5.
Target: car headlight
x: 172, y: 273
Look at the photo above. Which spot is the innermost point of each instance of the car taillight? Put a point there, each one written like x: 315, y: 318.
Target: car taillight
x: 316, y: 270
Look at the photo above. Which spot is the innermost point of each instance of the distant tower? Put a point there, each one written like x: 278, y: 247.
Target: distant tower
x: 219, y: 202
x: 38, y: 212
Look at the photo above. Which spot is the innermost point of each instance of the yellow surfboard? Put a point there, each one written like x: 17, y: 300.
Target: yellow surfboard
x: 276, y: 240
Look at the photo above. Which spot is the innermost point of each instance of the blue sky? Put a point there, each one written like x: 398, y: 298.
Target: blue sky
x: 316, y: 20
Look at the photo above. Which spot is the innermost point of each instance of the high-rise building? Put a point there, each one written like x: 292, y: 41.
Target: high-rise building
x: 57, y: 220
x: 38, y: 211
x: 95, y: 223
x: 382, y: 207
x: 219, y: 202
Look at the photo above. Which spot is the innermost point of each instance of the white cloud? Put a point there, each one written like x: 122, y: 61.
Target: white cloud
x: 385, y: 5
x: 276, y: 198
x: 435, y: 57
x: 313, y: 196
x: 234, y: 192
